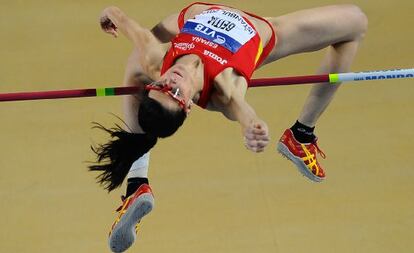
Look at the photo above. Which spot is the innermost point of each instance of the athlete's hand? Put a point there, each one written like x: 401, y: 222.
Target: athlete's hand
x: 256, y: 136
x: 107, y: 24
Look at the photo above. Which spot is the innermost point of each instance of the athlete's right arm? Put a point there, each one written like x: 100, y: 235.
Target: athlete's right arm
x: 113, y: 19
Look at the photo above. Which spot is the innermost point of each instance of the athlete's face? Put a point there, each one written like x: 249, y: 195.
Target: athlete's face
x: 174, y: 89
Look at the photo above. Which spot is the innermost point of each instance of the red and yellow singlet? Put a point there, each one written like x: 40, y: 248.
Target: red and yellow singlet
x: 222, y: 39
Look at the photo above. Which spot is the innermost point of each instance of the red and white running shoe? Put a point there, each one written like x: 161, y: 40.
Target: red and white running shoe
x: 124, y: 230
x: 303, y: 155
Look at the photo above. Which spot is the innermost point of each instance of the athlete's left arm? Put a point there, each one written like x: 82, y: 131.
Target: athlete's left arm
x: 255, y: 130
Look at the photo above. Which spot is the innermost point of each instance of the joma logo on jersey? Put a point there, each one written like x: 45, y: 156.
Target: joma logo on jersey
x: 211, y: 33
x: 215, y: 57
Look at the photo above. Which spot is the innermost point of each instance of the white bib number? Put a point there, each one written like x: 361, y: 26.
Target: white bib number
x: 223, y: 27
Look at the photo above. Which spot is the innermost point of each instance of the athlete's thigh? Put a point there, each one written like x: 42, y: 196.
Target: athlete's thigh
x: 314, y: 29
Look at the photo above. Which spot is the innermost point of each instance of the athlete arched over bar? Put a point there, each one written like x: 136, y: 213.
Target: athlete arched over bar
x: 206, y: 55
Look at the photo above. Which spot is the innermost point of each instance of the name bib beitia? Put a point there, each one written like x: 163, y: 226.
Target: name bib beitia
x: 223, y: 27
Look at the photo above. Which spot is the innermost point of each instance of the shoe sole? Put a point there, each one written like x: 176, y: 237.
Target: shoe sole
x: 123, y: 234
x: 303, y: 169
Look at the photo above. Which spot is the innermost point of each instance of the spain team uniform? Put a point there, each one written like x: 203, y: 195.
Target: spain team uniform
x: 222, y: 39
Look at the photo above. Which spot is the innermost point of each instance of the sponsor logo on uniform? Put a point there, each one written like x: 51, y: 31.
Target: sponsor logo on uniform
x: 220, y: 40
x: 184, y: 46
x: 215, y: 57
x: 211, y: 33
x: 204, y: 42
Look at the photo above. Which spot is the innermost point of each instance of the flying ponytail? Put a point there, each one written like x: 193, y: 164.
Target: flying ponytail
x: 115, y: 158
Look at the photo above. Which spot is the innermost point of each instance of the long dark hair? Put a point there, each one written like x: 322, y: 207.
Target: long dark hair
x: 114, y: 158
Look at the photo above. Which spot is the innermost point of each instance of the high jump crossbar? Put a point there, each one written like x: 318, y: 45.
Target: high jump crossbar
x: 260, y: 82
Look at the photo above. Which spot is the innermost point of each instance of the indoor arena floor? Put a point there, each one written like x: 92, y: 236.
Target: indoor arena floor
x: 212, y: 195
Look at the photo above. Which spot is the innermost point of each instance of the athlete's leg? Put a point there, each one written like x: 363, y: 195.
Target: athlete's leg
x: 339, y: 27
x: 138, y: 200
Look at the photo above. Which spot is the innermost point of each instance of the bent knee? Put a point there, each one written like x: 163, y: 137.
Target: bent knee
x: 359, y: 20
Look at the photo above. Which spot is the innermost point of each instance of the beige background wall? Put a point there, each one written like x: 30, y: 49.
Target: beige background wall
x: 212, y: 195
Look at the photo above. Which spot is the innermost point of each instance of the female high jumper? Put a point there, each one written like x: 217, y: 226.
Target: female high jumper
x: 206, y: 55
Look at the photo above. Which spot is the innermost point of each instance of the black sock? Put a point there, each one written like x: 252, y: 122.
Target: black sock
x: 303, y: 133
x: 134, y: 183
